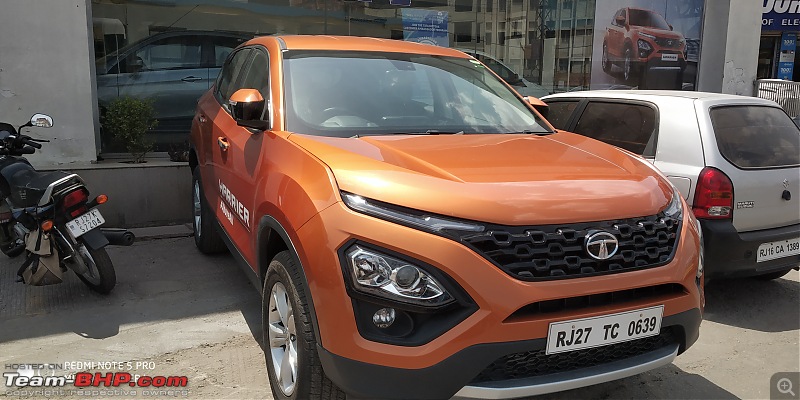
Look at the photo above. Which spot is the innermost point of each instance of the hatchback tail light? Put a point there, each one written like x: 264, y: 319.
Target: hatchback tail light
x: 713, y: 198
x: 73, y: 199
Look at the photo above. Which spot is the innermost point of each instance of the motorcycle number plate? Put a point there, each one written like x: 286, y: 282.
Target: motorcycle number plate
x: 85, y: 222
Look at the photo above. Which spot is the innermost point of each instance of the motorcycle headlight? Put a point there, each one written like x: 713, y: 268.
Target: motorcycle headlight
x: 389, y: 277
x: 675, y: 207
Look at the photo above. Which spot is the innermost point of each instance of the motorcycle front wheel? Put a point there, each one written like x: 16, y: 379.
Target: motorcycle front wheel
x: 100, y: 275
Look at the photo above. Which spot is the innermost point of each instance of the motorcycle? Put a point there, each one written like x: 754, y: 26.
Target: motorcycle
x: 50, y: 217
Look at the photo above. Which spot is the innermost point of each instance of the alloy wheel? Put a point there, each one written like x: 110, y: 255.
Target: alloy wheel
x: 198, y: 219
x: 282, y: 339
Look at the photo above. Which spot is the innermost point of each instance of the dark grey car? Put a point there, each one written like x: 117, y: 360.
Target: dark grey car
x: 173, y: 69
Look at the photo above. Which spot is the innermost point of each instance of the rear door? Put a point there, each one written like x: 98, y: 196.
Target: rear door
x: 758, y: 147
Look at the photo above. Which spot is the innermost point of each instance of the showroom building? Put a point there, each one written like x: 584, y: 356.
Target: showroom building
x: 71, y: 58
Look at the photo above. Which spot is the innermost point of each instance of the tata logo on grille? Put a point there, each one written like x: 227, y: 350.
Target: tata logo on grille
x: 601, y: 245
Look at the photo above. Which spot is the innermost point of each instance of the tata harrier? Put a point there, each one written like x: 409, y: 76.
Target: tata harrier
x: 418, y: 230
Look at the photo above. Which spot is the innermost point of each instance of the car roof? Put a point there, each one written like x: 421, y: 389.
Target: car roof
x: 356, y: 43
x: 664, y: 95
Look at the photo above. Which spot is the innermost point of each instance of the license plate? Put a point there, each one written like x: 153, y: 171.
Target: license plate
x: 585, y: 333
x: 85, y: 222
x: 669, y: 57
x: 774, y: 250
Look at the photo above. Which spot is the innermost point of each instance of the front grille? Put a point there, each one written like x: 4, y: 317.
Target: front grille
x: 668, y: 43
x: 536, y: 363
x: 545, y: 252
x: 596, y: 300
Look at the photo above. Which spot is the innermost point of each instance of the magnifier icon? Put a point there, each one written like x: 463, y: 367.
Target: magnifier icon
x: 784, y: 386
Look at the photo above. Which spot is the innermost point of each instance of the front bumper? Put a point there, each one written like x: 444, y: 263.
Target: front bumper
x: 452, y: 376
x: 500, y: 324
x: 730, y: 254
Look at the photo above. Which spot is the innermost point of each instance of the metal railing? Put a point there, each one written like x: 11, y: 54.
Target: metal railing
x: 785, y: 93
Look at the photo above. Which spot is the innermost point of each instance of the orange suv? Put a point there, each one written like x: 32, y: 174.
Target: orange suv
x: 418, y: 230
x: 641, y: 41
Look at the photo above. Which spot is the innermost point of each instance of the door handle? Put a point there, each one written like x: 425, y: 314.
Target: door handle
x: 191, y: 79
x: 202, y: 119
x: 223, y: 143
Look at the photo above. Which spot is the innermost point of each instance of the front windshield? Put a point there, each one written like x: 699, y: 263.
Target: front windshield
x: 335, y: 93
x: 648, y: 19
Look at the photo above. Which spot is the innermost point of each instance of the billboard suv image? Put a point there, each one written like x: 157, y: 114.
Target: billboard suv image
x: 642, y: 43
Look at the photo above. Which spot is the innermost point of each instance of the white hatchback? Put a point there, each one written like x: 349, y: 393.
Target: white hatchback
x: 735, y: 159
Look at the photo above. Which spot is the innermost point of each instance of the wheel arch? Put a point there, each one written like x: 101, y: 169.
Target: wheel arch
x: 272, y: 238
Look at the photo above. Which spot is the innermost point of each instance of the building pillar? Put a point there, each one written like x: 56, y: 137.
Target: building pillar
x: 47, y: 66
x: 729, y: 52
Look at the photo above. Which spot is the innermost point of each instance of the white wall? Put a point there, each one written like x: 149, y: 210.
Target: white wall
x: 729, y: 53
x: 46, y: 66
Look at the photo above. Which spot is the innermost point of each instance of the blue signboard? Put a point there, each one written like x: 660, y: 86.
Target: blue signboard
x: 780, y: 15
x: 786, y: 58
x: 425, y: 26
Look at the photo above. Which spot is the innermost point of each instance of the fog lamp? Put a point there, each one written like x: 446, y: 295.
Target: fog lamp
x: 384, y: 317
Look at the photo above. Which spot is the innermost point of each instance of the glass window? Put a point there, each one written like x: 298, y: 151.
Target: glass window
x: 170, y: 53
x: 371, y: 93
x: 647, y: 18
x: 257, y: 76
x: 756, y: 136
x: 629, y: 126
x: 230, y: 72
x: 559, y: 112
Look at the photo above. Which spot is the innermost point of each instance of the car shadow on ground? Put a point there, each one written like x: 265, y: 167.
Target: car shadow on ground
x: 156, y: 281
x: 765, y: 306
x: 668, y: 382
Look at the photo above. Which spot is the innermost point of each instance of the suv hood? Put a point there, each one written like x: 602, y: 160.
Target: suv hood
x: 661, y: 33
x: 503, y: 179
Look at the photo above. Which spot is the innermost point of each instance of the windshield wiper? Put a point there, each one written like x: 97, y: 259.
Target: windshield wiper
x: 530, y: 132
x: 433, y: 132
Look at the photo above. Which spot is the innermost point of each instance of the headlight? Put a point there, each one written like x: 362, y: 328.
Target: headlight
x: 382, y: 275
x: 430, y: 223
x: 675, y: 207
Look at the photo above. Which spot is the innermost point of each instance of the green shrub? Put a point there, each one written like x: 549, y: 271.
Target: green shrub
x: 128, y: 119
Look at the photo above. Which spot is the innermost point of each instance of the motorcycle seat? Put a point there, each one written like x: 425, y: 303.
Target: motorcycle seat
x: 28, y: 185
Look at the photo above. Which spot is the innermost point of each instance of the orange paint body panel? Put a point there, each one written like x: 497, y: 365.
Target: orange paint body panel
x: 454, y: 208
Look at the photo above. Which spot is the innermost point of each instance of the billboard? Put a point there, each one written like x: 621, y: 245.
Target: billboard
x: 780, y: 15
x: 425, y: 26
x: 646, y: 44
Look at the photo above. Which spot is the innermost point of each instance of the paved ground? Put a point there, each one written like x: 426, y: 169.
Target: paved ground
x: 182, y: 313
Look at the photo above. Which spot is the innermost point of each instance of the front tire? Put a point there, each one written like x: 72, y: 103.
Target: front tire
x: 100, y: 276
x: 206, y: 237
x: 606, y: 62
x: 290, y: 345
x: 628, y: 70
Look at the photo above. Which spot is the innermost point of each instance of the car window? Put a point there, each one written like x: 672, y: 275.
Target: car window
x: 257, y: 75
x: 647, y: 18
x: 620, y: 13
x: 756, y: 136
x: 375, y: 93
x: 223, y: 46
x: 229, y: 73
x: 629, y: 126
x: 558, y: 112
x: 168, y: 53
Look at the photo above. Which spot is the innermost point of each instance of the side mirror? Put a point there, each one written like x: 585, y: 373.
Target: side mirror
x: 620, y: 20
x: 248, y: 109
x: 539, y: 105
x: 41, y: 120
x: 670, y: 26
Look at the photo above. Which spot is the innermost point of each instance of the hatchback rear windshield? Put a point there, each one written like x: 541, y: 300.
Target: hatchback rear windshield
x: 343, y: 93
x: 756, y: 136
